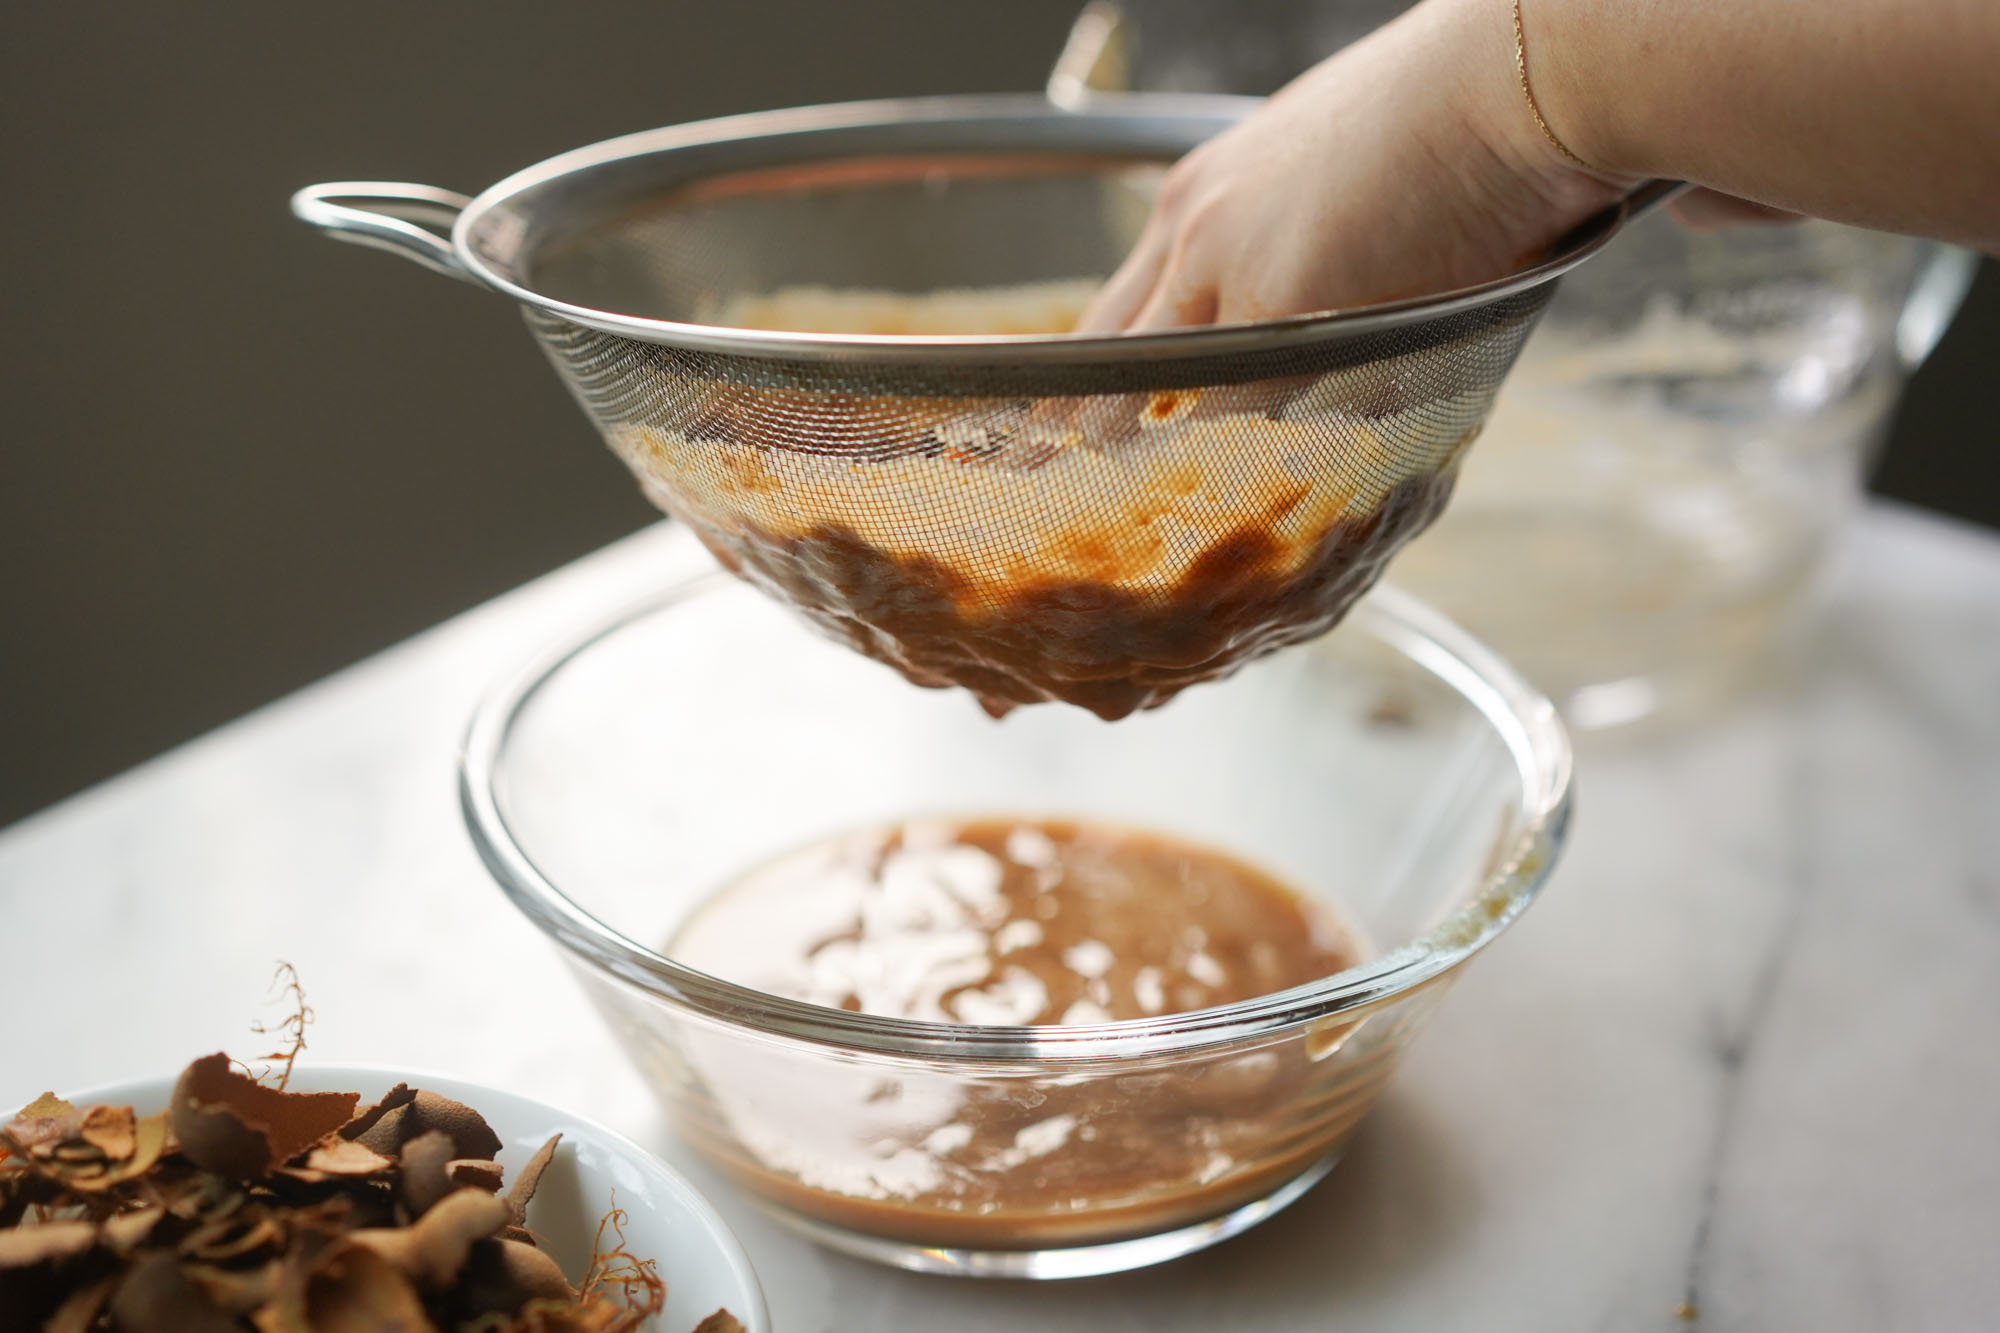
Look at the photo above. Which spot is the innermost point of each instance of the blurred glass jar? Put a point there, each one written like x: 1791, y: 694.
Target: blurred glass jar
x: 1645, y: 516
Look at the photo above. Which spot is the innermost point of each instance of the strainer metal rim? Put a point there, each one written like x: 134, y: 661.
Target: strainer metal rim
x: 1523, y: 717
x: 483, y: 231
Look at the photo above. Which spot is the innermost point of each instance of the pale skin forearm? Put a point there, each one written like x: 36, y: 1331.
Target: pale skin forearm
x: 1882, y: 113
x: 1411, y: 162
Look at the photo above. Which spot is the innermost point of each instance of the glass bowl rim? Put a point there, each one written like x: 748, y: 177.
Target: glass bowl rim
x: 1524, y: 719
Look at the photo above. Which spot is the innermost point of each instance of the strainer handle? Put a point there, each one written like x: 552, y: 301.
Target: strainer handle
x: 385, y: 215
x: 1651, y: 195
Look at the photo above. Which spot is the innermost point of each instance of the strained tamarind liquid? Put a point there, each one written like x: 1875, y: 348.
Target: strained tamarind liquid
x: 1022, y: 922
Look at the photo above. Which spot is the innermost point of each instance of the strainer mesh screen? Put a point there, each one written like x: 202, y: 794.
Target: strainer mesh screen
x: 1104, y: 534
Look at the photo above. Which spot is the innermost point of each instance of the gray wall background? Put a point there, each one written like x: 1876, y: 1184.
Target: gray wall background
x: 236, y: 457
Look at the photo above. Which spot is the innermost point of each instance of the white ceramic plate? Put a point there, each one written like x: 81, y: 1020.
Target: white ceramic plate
x: 668, y: 1221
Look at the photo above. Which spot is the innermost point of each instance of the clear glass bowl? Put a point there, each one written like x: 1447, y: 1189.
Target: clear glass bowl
x: 1395, y: 768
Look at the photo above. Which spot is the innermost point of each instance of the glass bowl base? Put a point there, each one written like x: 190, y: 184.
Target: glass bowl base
x: 1116, y: 1256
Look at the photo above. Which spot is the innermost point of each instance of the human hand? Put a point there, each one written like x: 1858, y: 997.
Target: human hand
x: 1408, y: 163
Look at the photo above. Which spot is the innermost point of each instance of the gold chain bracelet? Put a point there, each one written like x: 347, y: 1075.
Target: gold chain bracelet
x: 1528, y: 92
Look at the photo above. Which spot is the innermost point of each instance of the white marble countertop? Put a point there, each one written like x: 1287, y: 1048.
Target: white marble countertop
x: 1742, y: 1054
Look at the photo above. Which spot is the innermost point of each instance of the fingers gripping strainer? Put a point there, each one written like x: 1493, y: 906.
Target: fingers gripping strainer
x: 1028, y: 513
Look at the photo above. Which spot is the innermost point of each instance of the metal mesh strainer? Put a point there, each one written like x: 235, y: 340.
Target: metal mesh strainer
x: 1033, y: 515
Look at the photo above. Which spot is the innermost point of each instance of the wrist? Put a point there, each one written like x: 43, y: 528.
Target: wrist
x: 1560, y: 44
x: 1505, y: 108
